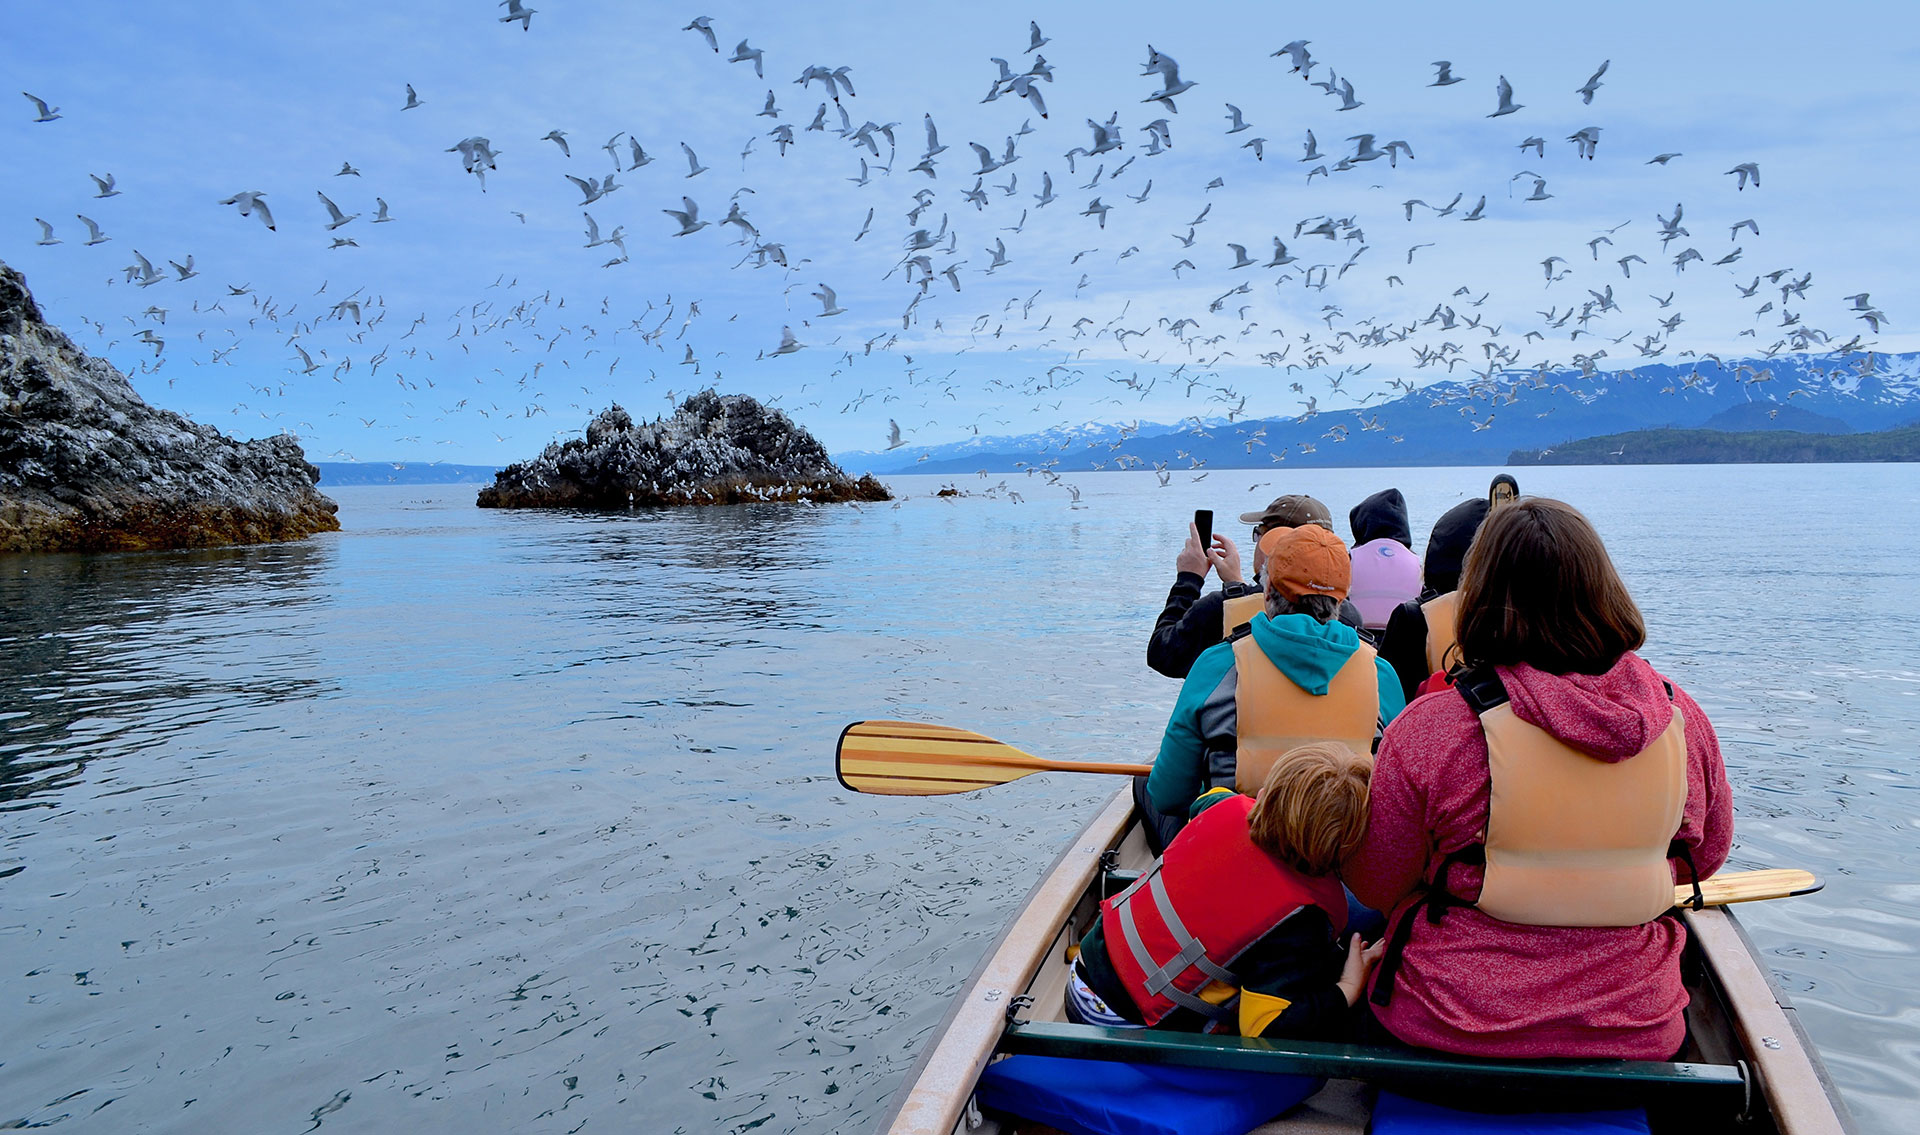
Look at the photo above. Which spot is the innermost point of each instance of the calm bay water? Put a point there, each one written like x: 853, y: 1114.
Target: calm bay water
x: 471, y: 820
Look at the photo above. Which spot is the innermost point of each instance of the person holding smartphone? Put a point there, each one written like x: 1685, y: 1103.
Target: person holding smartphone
x: 1192, y: 621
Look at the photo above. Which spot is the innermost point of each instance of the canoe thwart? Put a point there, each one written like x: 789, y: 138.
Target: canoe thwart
x: 1702, y: 1089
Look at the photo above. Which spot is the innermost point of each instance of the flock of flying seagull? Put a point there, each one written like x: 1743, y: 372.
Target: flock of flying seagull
x: 951, y: 230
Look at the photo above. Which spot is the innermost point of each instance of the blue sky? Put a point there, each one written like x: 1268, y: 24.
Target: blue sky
x: 502, y: 333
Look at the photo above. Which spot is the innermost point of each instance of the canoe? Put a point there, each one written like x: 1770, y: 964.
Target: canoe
x: 1749, y: 1065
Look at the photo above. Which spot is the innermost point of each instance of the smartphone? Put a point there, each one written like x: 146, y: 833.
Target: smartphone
x: 1203, y: 523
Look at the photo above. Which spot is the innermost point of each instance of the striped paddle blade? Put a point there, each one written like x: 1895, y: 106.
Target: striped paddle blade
x: 906, y: 758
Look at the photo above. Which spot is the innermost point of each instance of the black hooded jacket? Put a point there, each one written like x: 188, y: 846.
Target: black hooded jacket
x: 1382, y: 515
x: 1404, y: 643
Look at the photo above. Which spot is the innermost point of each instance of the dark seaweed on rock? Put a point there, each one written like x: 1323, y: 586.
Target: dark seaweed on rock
x: 715, y: 449
x: 86, y: 465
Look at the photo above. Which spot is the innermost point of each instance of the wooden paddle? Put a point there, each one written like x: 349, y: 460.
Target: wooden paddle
x: 1746, y: 886
x: 906, y: 758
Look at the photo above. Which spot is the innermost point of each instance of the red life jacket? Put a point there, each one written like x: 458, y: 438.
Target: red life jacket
x: 1231, y: 894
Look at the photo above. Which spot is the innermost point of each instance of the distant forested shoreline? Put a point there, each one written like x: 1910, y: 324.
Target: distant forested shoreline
x: 1723, y: 447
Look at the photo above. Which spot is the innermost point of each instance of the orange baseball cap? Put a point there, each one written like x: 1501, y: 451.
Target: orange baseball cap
x: 1308, y: 560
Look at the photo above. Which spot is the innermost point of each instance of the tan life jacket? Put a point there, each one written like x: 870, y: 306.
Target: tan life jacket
x: 1273, y: 715
x: 1443, y: 631
x: 1238, y: 611
x: 1573, y: 840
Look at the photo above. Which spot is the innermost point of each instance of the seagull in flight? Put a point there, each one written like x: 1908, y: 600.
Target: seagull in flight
x: 690, y: 221
x: 1593, y: 84
x: 333, y: 210
x: 47, y: 113
x: 413, y: 99
x: 251, y: 202
x: 1507, y: 105
x: 695, y: 169
x: 1297, y: 51
x: 704, y: 25
x: 1446, y: 77
x: 743, y: 53
x: 517, y: 11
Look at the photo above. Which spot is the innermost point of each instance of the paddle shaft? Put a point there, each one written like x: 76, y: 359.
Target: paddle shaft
x: 1114, y: 768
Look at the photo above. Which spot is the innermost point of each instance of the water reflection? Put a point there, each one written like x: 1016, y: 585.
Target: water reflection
x: 109, y: 655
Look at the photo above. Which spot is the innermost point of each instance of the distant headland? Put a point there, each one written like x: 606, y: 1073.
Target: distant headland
x: 1722, y: 447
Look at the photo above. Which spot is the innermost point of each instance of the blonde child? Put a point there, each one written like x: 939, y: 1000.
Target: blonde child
x: 1238, y: 926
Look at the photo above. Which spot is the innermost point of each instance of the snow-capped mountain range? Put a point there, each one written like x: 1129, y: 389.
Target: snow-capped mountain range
x: 1453, y: 422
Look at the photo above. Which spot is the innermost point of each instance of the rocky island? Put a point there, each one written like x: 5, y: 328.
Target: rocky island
x: 715, y: 449
x: 86, y: 465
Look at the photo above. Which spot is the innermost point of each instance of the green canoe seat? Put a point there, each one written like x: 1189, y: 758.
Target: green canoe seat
x: 1711, y: 1091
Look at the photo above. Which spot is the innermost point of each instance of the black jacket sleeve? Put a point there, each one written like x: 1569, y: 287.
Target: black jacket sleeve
x: 1404, y: 645
x: 1189, y: 625
x: 1297, y: 964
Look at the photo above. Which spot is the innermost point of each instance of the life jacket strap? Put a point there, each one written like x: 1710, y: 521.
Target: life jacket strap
x: 1435, y: 899
x: 1481, y: 688
x: 1160, y: 977
x: 1678, y: 849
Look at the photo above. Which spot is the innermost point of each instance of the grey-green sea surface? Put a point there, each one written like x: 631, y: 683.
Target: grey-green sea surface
x: 463, y: 820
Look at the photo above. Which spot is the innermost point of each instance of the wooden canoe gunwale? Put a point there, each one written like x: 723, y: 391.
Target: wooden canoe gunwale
x: 1790, y: 1076
x: 941, y: 1082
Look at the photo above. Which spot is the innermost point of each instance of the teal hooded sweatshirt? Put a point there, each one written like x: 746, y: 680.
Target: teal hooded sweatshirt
x: 1201, y: 731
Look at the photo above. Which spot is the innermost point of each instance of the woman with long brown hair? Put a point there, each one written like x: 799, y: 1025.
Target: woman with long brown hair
x: 1528, y: 825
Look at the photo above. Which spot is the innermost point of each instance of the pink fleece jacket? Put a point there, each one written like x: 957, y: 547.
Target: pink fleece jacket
x: 1482, y: 987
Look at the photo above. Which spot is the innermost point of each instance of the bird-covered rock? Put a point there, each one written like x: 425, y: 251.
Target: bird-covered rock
x: 715, y: 449
x: 86, y: 465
